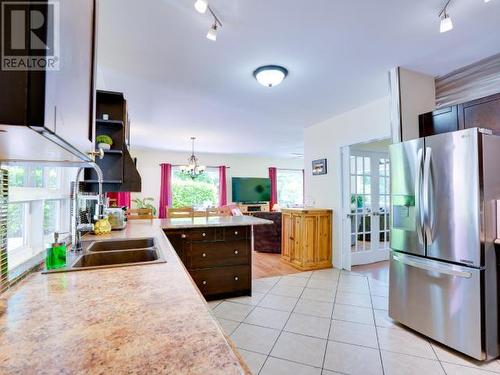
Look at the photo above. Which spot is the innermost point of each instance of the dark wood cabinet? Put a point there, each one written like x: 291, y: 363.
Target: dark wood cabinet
x: 481, y: 113
x: 442, y: 120
x: 58, y: 103
x: 218, y: 259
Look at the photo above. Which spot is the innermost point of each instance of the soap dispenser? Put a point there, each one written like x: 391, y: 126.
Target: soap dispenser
x: 56, y: 254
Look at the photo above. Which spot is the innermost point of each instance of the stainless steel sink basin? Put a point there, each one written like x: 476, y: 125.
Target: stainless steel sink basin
x: 114, y: 253
x: 114, y: 258
x: 136, y: 243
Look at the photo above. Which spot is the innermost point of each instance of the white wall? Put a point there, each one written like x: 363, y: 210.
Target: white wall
x: 418, y: 95
x: 148, y: 164
x: 324, y: 140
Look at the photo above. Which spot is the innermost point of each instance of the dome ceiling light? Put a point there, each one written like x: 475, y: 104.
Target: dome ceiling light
x: 270, y: 75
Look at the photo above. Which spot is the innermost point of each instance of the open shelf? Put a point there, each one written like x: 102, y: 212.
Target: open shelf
x: 109, y: 122
x: 117, y: 152
x: 104, y: 182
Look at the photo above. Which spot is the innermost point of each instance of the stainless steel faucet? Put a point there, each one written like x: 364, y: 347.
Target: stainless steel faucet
x: 77, y: 227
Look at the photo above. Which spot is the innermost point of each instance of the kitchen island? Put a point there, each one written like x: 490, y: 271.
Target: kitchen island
x: 216, y: 251
x: 148, y: 319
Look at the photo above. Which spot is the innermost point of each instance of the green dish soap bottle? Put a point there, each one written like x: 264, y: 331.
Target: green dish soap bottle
x: 56, y: 254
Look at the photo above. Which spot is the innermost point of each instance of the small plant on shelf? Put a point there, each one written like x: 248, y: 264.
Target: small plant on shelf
x: 104, y: 141
x: 145, y: 203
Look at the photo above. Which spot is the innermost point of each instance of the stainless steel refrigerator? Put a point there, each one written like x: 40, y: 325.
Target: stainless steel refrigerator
x: 443, y: 263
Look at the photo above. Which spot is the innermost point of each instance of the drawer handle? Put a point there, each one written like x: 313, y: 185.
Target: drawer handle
x: 235, y: 232
x: 236, y: 252
x: 236, y: 278
x: 183, y: 235
x: 203, y: 255
x: 203, y: 234
x: 204, y: 282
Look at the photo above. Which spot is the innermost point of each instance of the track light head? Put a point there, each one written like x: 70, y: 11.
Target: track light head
x: 212, y: 32
x: 201, y: 6
x: 446, y: 23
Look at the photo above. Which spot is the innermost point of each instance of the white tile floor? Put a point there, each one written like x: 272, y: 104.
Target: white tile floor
x: 331, y: 322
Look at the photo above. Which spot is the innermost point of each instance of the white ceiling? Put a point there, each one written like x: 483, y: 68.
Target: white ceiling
x: 179, y: 84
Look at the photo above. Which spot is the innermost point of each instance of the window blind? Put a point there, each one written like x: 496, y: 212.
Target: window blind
x: 4, y: 204
x: 468, y: 83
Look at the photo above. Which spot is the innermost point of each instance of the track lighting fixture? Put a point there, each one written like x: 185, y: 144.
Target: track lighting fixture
x: 212, y: 32
x: 201, y: 6
x: 446, y: 23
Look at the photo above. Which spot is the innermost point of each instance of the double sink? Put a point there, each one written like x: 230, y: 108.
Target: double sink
x: 116, y: 253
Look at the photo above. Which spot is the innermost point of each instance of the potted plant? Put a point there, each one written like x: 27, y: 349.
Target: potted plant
x: 145, y: 203
x: 104, y: 141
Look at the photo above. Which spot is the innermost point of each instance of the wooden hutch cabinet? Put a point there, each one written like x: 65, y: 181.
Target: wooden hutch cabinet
x: 306, y: 239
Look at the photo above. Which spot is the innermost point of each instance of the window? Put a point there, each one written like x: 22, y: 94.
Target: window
x: 38, y: 207
x: 201, y: 192
x: 51, y: 217
x: 16, y: 228
x: 290, y: 184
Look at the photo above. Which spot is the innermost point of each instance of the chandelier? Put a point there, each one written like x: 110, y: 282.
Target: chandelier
x: 192, y: 169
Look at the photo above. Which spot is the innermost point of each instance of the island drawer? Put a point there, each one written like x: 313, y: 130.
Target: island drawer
x: 217, y: 254
x: 236, y: 233
x: 224, y: 280
x: 200, y: 234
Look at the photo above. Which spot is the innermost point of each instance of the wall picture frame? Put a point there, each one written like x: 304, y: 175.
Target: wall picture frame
x: 319, y: 167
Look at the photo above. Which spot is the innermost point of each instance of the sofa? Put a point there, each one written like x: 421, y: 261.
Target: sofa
x: 267, y: 238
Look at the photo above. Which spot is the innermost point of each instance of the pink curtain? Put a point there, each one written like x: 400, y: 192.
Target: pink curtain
x: 165, y: 189
x: 222, y: 186
x: 274, y: 187
x: 122, y: 198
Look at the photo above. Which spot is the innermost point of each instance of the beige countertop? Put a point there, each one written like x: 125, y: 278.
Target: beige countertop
x: 147, y: 319
x: 211, y: 221
x: 306, y: 209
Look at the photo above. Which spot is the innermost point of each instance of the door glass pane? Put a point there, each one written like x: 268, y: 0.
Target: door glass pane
x: 382, y: 185
x: 359, y: 165
x: 367, y: 187
x: 359, y: 185
x: 367, y: 166
x: 367, y: 202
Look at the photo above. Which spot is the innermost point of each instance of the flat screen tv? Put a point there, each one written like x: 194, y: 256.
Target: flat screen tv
x: 251, y: 190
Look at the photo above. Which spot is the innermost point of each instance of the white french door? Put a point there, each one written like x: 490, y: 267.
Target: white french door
x: 369, y: 206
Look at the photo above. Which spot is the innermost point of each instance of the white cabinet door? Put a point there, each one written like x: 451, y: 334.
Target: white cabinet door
x: 69, y: 91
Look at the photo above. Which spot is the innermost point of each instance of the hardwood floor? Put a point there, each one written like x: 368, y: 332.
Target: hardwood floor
x: 378, y: 271
x: 267, y: 265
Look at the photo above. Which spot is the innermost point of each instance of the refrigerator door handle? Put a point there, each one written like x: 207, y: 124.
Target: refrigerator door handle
x: 428, y: 222
x: 428, y: 266
x: 418, y: 197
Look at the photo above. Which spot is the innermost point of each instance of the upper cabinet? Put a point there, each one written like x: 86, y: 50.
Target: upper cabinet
x: 442, y: 120
x: 57, y: 102
x: 480, y: 113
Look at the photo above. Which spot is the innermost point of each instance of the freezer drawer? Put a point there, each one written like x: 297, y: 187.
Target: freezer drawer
x: 439, y: 300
